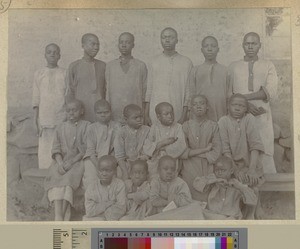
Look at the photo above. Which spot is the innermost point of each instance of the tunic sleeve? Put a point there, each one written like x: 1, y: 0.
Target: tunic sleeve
x: 183, y: 195
x: 144, y: 73
x: 144, y: 193
x: 71, y: 82
x: 117, y: 210
x: 82, y: 146
x: 185, y: 129
x: 192, y: 81
x: 214, y: 154
x: 176, y: 149
x: 202, y: 182
x: 93, y: 204
x: 36, y: 91
x: 150, y: 142
x: 187, y: 94
x: 56, y: 146
x: 271, y: 83
x: 253, y: 137
x: 224, y: 136
x: 149, y: 84
x: 154, y: 190
x: 229, y: 81
x: 119, y: 145
x: 91, y: 142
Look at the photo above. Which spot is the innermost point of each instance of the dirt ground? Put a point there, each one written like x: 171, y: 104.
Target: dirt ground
x: 26, y: 202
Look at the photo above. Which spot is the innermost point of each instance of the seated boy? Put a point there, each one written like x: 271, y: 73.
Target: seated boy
x: 130, y: 138
x: 167, y: 188
x: 225, y: 193
x: 241, y: 140
x: 166, y: 137
x: 105, y: 198
x: 138, y: 192
x: 100, y: 138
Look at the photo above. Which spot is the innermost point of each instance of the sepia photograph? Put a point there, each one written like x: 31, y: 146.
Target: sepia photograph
x: 150, y: 114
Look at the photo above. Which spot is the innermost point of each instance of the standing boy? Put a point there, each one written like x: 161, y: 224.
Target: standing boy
x: 86, y: 76
x: 256, y: 79
x: 209, y: 79
x: 125, y: 78
x: 48, y: 101
x: 168, y: 79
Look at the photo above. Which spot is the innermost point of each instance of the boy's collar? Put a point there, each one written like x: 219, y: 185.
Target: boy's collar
x: 172, y: 55
x: 246, y: 58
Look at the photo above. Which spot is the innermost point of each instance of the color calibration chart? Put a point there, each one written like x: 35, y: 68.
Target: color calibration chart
x: 172, y: 239
x: 200, y: 238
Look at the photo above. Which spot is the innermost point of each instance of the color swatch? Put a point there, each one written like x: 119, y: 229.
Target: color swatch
x: 169, y: 243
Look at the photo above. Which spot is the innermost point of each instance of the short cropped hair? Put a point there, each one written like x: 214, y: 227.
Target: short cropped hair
x: 109, y: 158
x: 160, y: 105
x: 140, y: 162
x: 209, y: 37
x: 251, y: 34
x: 101, y: 103
x: 127, y: 33
x: 199, y: 95
x: 129, y: 109
x: 169, y: 28
x: 86, y: 36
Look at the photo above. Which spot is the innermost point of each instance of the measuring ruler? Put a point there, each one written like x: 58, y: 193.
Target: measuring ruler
x: 73, y: 238
x: 96, y: 238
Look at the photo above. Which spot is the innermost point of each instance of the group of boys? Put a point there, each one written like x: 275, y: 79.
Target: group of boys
x: 161, y: 90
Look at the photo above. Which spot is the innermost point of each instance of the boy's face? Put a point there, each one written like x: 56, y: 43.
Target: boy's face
x: 251, y: 46
x: 199, y: 106
x: 125, y: 44
x: 138, y: 174
x: 168, y: 40
x: 135, y: 120
x: 166, y: 115
x: 74, y: 112
x: 103, y: 114
x: 237, y: 107
x: 223, y: 170
x: 210, y: 48
x: 52, y: 54
x: 106, y: 172
x: 91, y: 46
x: 167, y: 170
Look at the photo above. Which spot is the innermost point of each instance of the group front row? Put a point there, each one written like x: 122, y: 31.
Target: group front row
x: 167, y: 171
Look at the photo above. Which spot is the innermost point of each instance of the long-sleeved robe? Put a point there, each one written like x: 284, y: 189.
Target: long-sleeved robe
x: 176, y: 190
x: 198, y: 136
x: 168, y: 82
x: 264, y: 77
x: 49, y: 90
x: 69, y: 141
x: 124, y: 88
x: 210, y: 80
x: 239, y: 138
x: 86, y: 82
x: 224, y: 200
x: 96, y: 197
x: 100, y: 142
x: 159, y: 132
x: 137, y: 211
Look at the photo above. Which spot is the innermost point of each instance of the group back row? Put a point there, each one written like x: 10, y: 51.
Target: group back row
x: 169, y: 77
